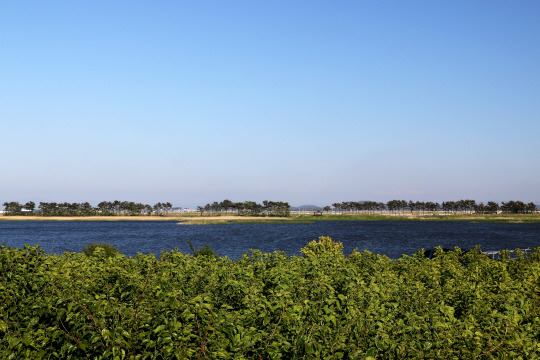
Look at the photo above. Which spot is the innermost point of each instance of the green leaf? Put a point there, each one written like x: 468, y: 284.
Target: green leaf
x: 159, y: 328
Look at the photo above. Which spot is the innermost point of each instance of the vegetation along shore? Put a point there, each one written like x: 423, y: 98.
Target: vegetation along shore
x: 323, y: 304
x: 227, y: 211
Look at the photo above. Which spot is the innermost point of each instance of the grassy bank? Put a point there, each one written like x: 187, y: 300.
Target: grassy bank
x: 493, y: 218
x: 268, y: 306
x: 244, y: 220
x: 305, y: 219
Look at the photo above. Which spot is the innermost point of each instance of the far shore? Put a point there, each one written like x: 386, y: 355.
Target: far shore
x: 90, y: 218
x: 215, y: 219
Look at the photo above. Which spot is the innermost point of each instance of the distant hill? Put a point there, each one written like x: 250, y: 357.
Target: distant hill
x: 306, y: 208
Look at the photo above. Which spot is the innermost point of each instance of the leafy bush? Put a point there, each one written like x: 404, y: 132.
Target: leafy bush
x: 268, y: 306
x: 100, y: 249
x: 206, y: 250
x: 325, y: 246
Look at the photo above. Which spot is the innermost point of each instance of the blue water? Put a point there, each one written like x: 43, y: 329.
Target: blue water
x: 232, y: 240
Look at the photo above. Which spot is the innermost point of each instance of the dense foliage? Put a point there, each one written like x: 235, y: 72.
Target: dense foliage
x: 322, y: 305
x: 250, y: 208
x: 85, y: 209
x: 461, y: 206
x: 267, y: 208
x: 206, y: 250
x: 106, y: 249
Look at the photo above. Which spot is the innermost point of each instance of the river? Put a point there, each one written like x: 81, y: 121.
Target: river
x: 392, y: 238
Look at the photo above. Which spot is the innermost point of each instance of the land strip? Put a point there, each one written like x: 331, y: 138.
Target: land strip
x: 89, y: 218
x: 193, y: 219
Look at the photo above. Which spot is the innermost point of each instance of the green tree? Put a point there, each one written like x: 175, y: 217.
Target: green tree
x: 30, y: 206
x: 13, y: 208
x: 200, y: 209
x: 148, y: 209
x: 227, y: 205
x: 480, y: 208
x: 492, y: 207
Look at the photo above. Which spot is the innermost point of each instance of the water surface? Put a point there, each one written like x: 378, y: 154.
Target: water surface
x: 392, y: 238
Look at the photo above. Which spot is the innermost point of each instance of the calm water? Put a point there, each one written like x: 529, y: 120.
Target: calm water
x: 232, y: 240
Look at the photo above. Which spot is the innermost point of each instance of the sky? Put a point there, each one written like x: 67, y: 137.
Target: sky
x: 310, y: 102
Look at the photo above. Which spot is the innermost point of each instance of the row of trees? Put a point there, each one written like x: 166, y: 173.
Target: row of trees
x: 251, y: 208
x: 85, y: 209
x: 461, y: 206
x: 268, y: 208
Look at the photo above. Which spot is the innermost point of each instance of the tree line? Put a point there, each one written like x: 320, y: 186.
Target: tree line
x: 461, y: 206
x: 250, y: 208
x: 267, y: 208
x: 104, y: 208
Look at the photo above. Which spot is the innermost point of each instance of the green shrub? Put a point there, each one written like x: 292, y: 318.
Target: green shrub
x: 204, y: 251
x: 106, y: 249
x: 325, y: 246
x: 268, y: 306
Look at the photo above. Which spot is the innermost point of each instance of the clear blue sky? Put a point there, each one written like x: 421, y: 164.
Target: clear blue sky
x: 301, y: 101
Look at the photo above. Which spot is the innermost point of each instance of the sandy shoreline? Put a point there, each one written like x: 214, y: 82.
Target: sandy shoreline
x: 138, y: 218
x: 91, y: 218
x: 193, y: 219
